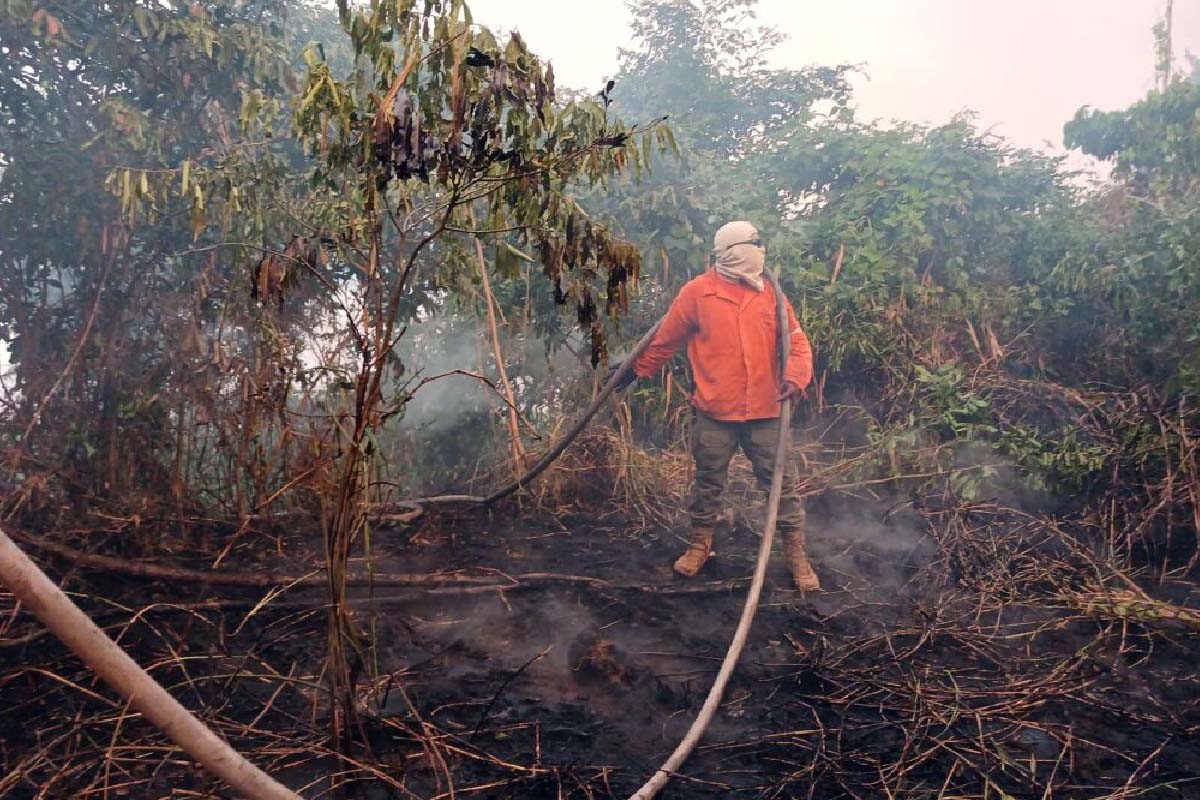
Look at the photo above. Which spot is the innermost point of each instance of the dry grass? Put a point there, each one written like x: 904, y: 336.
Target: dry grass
x: 605, y: 472
x: 1027, y: 656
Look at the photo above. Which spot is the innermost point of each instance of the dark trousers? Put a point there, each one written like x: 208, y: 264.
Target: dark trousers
x: 714, y: 443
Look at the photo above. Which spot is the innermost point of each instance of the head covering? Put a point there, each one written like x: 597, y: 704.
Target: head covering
x: 739, y: 260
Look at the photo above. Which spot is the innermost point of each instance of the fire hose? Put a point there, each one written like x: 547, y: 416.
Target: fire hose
x: 684, y: 749
x: 551, y: 455
x: 46, y: 601
x: 32, y: 588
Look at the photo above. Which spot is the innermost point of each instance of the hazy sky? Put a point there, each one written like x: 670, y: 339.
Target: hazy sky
x: 1025, y: 65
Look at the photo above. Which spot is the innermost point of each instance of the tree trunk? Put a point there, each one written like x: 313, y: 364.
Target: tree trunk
x: 514, y: 421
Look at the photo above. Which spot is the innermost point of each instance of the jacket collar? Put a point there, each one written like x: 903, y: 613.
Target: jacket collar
x: 728, y: 290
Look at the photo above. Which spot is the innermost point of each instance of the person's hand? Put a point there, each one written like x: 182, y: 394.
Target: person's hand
x: 628, y: 378
x: 788, y: 391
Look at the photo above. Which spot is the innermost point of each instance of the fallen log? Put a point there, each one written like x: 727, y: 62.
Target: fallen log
x: 247, y: 579
x: 456, y: 582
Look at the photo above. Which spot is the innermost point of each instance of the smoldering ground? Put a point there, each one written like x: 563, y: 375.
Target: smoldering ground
x: 949, y: 652
x: 602, y: 675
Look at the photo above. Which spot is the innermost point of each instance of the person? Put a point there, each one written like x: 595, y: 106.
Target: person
x: 727, y: 319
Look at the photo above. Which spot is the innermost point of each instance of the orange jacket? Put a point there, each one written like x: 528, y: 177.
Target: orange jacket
x: 729, y: 329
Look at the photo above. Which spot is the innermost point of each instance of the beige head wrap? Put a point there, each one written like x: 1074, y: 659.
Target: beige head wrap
x: 737, y: 259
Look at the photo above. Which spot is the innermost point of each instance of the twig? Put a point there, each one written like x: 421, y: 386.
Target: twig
x: 512, y: 677
x: 71, y: 362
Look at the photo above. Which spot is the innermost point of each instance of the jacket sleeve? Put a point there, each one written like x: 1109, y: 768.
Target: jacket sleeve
x: 800, y: 362
x: 677, y: 327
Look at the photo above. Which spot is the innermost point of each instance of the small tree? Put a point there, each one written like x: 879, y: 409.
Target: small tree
x: 440, y: 135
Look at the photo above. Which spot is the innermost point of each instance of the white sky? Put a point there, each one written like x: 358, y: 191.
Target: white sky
x: 1025, y: 65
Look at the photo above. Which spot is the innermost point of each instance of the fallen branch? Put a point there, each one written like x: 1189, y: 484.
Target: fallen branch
x: 252, y: 580
x: 440, y: 582
x: 1138, y: 606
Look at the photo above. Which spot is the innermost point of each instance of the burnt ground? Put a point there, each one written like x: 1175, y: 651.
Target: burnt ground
x: 977, y: 653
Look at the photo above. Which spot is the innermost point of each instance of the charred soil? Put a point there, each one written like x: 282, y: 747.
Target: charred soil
x: 961, y: 652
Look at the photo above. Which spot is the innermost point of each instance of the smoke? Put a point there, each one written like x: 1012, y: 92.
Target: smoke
x: 433, y: 349
x: 873, y: 549
x: 984, y: 474
x: 436, y: 347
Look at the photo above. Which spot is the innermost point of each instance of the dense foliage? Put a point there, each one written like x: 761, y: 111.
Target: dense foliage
x: 106, y: 106
x: 227, y: 287
x: 970, y: 302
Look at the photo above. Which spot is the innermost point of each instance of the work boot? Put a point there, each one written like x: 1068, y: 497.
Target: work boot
x: 802, y: 571
x: 697, y: 553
